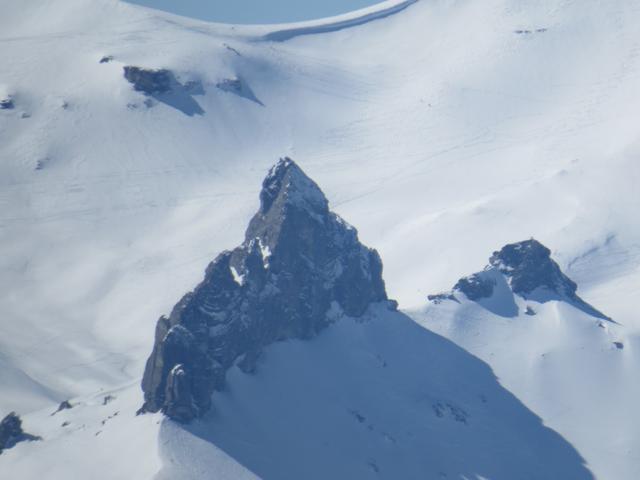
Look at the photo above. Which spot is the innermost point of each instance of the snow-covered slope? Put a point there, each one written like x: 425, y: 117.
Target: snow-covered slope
x: 377, y: 398
x: 563, y: 365
x: 441, y: 130
x: 564, y: 359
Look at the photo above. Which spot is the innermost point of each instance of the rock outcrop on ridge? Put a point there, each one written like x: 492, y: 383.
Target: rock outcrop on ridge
x: 163, y: 86
x: 528, y: 270
x: 6, y: 103
x: 147, y: 80
x: 299, y: 268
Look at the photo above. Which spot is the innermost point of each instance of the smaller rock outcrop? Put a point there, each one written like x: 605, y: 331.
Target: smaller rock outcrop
x: 148, y: 80
x: 238, y: 86
x: 475, y: 286
x: 441, y: 297
x: 11, y: 432
x: 527, y: 270
x: 163, y: 86
x: 7, y: 103
x: 64, y: 405
x: 529, y: 267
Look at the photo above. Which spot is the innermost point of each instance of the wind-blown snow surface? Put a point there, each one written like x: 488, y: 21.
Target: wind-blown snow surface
x: 439, y: 131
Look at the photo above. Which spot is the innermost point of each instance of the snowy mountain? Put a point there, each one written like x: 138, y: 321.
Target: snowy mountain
x: 132, y: 147
x: 300, y: 268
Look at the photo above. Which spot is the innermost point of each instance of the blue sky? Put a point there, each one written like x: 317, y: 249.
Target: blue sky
x: 256, y: 11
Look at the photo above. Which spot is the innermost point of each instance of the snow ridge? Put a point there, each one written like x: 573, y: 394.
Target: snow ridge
x: 288, y: 34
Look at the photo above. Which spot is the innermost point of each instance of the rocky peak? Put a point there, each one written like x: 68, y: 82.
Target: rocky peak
x: 528, y: 266
x: 290, y: 202
x: 287, y: 185
x: 299, y: 267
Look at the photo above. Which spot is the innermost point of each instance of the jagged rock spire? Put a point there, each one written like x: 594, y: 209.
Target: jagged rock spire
x: 286, y: 183
x: 299, y: 268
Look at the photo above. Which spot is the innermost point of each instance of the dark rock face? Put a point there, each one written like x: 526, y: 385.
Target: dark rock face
x: 475, y: 286
x: 529, y: 266
x: 6, y: 104
x: 238, y: 87
x: 64, y: 405
x: 441, y: 297
x: 530, y: 273
x: 11, y: 432
x: 230, y: 85
x: 147, y: 80
x: 299, y: 267
x: 163, y: 86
